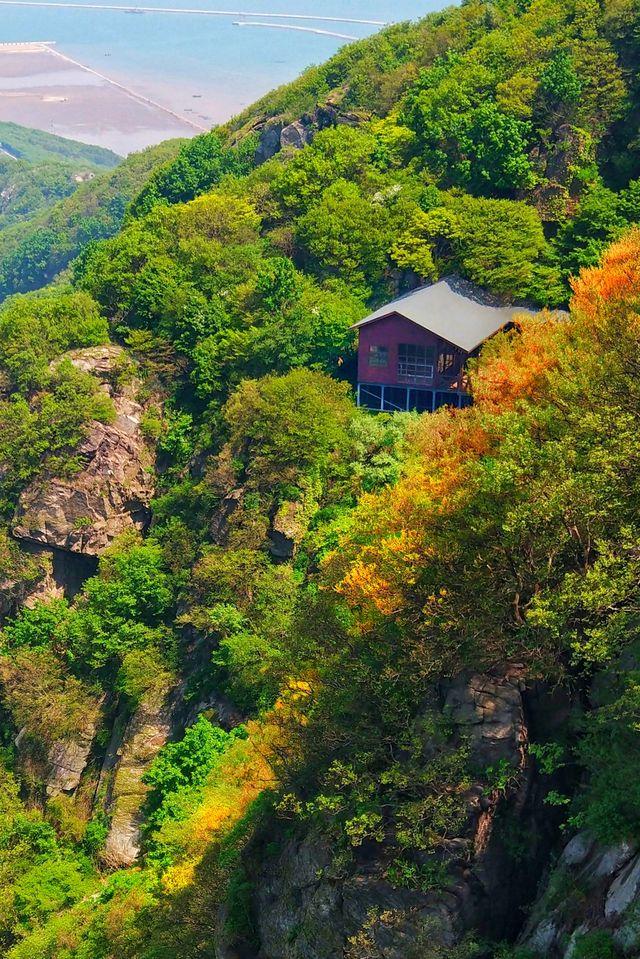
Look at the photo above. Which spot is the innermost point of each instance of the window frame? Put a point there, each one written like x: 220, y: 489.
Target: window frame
x: 416, y: 363
x: 376, y: 352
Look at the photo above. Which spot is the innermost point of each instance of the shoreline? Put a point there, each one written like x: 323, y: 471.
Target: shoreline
x: 45, y: 89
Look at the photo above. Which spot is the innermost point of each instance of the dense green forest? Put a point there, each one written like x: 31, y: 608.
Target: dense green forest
x: 37, y: 169
x: 280, y: 678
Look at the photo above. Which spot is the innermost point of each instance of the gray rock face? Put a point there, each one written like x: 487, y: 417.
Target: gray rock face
x: 592, y: 888
x: 145, y: 734
x: 276, y: 134
x: 294, y: 888
x: 491, y: 714
x: 67, y: 761
x: 14, y: 592
x: 269, y: 142
x: 110, y: 494
x: 27, y: 576
x: 305, y: 910
x: 306, y: 907
x: 295, y: 136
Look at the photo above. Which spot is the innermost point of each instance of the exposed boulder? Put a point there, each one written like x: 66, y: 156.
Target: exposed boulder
x: 111, y: 493
x: 269, y: 142
x: 295, y: 135
x: 277, y: 134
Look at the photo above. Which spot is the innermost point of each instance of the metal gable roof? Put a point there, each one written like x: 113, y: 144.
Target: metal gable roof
x: 453, y: 309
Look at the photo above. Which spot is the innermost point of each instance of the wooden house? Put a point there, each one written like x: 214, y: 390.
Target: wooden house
x: 412, y: 352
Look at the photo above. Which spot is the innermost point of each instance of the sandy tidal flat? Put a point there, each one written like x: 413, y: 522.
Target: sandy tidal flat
x: 39, y: 88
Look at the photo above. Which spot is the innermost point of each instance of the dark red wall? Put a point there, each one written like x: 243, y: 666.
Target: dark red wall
x: 389, y: 332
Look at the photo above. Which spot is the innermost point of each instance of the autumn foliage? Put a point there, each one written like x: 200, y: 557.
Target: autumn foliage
x: 616, y: 280
x: 517, y: 364
x: 470, y: 478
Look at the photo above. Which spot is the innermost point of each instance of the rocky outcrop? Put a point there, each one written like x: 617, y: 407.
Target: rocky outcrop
x: 221, y: 516
x: 268, y: 141
x: 133, y: 747
x: 295, y: 135
x: 305, y: 909
x: 61, y: 768
x: 287, y: 530
x: 307, y: 904
x: 592, y: 894
x: 111, y: 492
x: 489, y: 713
x: 129, y: 757
x: 68, y: 759
x: 217, y: 706
x: 276, y: 134
x: 23, y: 573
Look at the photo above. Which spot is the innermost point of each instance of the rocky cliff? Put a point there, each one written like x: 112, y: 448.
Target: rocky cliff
x: 592, y: 895
x: 112, y: 490
x: 310, y: 903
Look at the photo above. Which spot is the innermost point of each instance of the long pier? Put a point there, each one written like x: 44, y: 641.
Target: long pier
x: 292, y: 26
x: 188, y: 10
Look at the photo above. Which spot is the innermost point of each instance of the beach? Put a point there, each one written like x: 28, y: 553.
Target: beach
x: 42, y: 88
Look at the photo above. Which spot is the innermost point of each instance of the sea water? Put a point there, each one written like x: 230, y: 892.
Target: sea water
x: 207, y: 66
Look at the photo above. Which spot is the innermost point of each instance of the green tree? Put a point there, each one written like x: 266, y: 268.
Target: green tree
x: 182, y: 767
x: 200, y: 164
x: 559, y: 82
x: 284, y: 427
x: 35, y: 329
x: 345, y: 235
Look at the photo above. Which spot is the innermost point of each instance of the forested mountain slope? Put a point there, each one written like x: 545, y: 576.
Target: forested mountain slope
x: 46, y: 217
x: 281, y: 679
x: 36, y: 146
x: 38, y: 169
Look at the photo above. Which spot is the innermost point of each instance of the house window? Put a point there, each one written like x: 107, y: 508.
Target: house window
x: 447, y: 362
x: 415, y: 363
x: 378, y: 356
